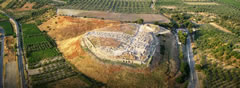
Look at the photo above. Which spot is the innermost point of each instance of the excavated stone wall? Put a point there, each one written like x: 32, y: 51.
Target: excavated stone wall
x: 138, y: 48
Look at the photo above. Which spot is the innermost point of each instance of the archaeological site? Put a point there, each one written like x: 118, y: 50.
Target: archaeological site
x: 127, y: 43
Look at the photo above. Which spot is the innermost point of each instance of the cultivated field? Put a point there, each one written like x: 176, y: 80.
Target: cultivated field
x: 125, y: 6
x: 199, y: 0
x: 114, y: 16
x: 6, y: 25
x: 37, y: 44
x: 44, y: 59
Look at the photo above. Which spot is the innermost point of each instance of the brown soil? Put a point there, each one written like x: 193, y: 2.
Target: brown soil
x: 168, y: 7
x: 5, y: 3
x: 118, y: 75
x: 68, y: 32
x: 10, y: 63
x: 64, y: 27
x: 9, y: 52
x: 201, y: 3
x: 125, y: 28
x: 220, y: 28
x: 27, y: 6
x: 101, y: 41
x: 112, y: 75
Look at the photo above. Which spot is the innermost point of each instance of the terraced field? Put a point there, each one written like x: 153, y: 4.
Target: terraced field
x: 45, y: 63
x: 37, y: 44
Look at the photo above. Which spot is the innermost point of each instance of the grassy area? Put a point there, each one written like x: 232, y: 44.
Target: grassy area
x: 29, y: 29
x: 217, y: 77
x: 39, y: 46
x: 33, y: 38
x: 218, y: 44
x: 36, y: 56
x: 6, y: 25
x: 3, y: 17
x: 168, y: 2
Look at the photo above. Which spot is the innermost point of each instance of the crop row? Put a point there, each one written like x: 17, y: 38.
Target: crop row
x: 53, y: 72
x: 38, y: 46
x: 218, y: 77
x: 37, y: 65
x: 53, y: 77
x: 128, y: 6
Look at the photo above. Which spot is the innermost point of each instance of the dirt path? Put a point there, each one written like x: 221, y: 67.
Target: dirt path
x: 11, y: 75
x: 220, y: 28
x: 201, y: 3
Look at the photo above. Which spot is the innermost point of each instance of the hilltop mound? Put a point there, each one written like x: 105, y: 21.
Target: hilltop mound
x: 111, y: 74
x: 129, y: 43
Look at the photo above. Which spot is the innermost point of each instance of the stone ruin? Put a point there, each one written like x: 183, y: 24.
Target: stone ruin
x: 128, y: 43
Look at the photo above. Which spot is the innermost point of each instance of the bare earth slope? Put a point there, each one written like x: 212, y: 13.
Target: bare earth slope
x: 64, y: 27
x: 69, y: 37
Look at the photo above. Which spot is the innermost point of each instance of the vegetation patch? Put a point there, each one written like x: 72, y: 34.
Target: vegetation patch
x: 37, y: 44
x: 6, y: 25
x: 217, y: 43
x: 218, y: 77
x: 3, y: 17
x: 124, y: 6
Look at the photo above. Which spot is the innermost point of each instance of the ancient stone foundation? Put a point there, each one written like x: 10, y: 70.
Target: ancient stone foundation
x: 135, y: 48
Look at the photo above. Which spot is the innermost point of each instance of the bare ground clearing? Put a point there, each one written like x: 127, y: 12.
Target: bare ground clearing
x: 5, y: 3
x: 201, y: 3
x: 27, y: 6
x: 68, y: 32
x: 10, y: 68
x: 64, y: 27
x: 114, y: 16
x: 118, y: 75
x: 220, y: 28
x: 168, y: 7
x: 112, y: 75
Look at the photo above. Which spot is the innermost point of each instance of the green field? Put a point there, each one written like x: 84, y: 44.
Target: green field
x: 168, y: 2
x: 35, y: 39
x: 6, y: 25
x: 3, y: 17
x: 217, y: 43
x: 124, y: 6
x: 37, y: 44
x: 36, y: 56
x: 217, y: 77
x: 29, y: 29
